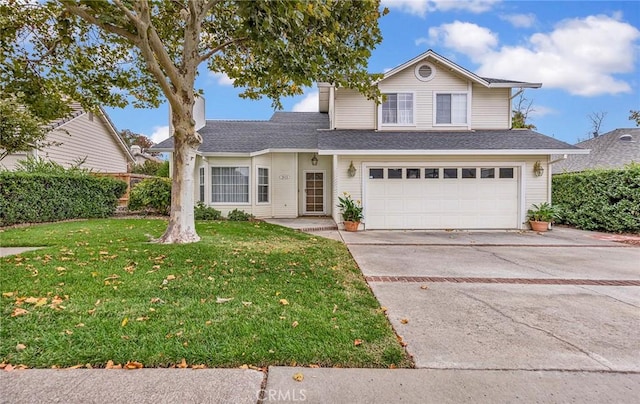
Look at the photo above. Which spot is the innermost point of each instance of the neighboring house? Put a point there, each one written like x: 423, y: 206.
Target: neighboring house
x: 614, y: 149
x: 81, y: 136
x: 438, y: 153
x: 141, y: 157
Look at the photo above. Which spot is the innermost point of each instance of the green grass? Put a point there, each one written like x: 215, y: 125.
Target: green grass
x: 126, y: 299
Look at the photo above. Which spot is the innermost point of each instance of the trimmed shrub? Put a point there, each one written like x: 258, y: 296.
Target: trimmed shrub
x: 607, y: 200
x: 239, y: 216
x: 32, y: 197
x: 152, y: 195
x: 204, y: 212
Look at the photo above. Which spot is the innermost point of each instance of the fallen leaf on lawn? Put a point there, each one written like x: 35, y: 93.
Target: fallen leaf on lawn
x: 335, y: 308
x: 284, y: 302
x: 41, y: 302
x: 357, y: 342
x: 133, y: 365
x: 392, y: 366
x: 244, y: 367
x: 60, y: 269
x: 404, y: 321
x: 183, y: 364
x: 223, y: 299
x: 31, y: 300
x: 171, y: 277
x: 208, y: 322
x: 75, y: 367
x: 19, y: 312
x: 401, y: 340
x: 124, y: 321
x: 8, y: 368
x: 21, y: 347
x: 156, y: 300
x: 110, y: 365
x: 201, y: 366
x: 80, y: 325
x: 68, y: 332
x: 104, y: 253
x: 424, y: 287
x: 294, y: 324
x: 245, y: 304
x: 312, y: 366
x: 8, y: 294
x: 298, y: 377
x: 111, y: 277
x: 92, y: 311
x: 145, y: 318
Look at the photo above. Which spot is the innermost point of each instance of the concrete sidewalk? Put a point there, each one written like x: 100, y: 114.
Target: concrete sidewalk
x: 323, y: 385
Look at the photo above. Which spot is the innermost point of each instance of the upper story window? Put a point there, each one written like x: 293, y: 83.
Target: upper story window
x: 397, y: 109
x: 451, y: 109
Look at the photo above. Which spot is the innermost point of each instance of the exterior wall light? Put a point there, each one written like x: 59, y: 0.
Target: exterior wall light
x: 314, y: 160
x: 538, y: 170
x: 351, y: 170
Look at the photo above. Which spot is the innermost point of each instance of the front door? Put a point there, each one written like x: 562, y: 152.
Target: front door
x: 314, y: 197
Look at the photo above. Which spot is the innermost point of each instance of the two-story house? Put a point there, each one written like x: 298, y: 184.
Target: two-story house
x: 437, y: 153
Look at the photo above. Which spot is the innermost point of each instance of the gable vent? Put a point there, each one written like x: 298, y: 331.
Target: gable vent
x: 626, y: 137
x: 425, y: 71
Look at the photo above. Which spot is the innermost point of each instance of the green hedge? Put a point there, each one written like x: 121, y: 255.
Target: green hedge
x: 607, y: 200
x: 47, y: 197
x: 152, y: 195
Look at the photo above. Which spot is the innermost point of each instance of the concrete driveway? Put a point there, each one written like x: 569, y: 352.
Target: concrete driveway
x: 564, y: 300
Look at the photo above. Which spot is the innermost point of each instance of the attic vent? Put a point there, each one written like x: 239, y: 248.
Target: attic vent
x: 425, y: 71
x: 626, y: 137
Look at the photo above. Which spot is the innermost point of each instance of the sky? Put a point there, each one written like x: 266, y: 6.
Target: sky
x: 585, y: 54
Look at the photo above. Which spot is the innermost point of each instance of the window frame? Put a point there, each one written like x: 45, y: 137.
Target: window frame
x: 467, y: 122
x: 413, y: 112
x: 258, y: 185
x: 202, y: 185
x: 248, y: 167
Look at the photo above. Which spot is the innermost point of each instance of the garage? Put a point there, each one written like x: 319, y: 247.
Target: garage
x: 441, y: 196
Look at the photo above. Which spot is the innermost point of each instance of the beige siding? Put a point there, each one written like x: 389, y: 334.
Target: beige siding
x: 353, y: 110
x: 10, y: 162
x: 284, y: 189
x: 490, y: 108
x: 535, y: 188
x: 262, y: 209
x: 89, y: 137
x: 406, y: 81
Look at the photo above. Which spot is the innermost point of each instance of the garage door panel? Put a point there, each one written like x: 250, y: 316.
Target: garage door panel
x: 442, y: 203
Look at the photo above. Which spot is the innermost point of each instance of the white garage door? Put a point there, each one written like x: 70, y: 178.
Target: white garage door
x: 441, y: 197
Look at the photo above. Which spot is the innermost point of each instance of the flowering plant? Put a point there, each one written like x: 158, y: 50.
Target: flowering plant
x: 351, y: 210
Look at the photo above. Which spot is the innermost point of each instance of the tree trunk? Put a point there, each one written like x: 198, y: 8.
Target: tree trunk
x: 181, y: 228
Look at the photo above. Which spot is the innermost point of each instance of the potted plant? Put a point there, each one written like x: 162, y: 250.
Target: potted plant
x: 351, y: 212
x: 540, y: 216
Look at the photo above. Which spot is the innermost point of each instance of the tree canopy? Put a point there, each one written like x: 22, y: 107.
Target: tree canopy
x: 143, y: 52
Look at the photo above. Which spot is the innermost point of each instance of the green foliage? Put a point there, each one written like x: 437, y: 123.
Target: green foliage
x: 607, y: 200
x: 239, y: 216
x: 204, y: 212
x: 634, y: 116
x: 20, y: 130
x: 149, y: 167
x: 152, y: 195
x: 543, y: 212
x: 33, y: 165
x: 163, y: 170
x: 351, y: 210
x: 31, y: 197
x: 519, y: 121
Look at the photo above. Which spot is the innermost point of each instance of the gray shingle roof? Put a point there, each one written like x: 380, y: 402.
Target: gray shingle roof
x: 288, y: 130
x: 607, y: 151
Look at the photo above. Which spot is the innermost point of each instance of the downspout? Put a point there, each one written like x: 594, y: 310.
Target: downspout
x: 550, y: 174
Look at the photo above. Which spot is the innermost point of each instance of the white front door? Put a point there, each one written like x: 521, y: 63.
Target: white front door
x: 441, y: 196
x: 314, y: 193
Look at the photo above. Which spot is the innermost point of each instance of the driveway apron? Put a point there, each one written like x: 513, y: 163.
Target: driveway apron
x: 565, y: 300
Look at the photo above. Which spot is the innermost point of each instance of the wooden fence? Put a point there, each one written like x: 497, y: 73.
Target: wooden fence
x: 131, y: 180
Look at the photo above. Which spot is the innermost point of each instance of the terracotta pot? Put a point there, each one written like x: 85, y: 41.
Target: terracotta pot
x: 351, y: 226
x: 539, y: 226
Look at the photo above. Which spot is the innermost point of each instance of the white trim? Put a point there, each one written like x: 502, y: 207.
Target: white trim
x: 464, y: 152
x: 413, y: 97
x: 324, y: 193
x: 515, y: 84
x: 435, y: 109
x: 257, y: 173
x: 248, y: 167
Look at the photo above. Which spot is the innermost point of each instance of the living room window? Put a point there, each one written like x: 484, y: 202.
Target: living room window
x: 263, y: 185
x: 397, y: 109
x: 230, y: 184
x: 451, y: 109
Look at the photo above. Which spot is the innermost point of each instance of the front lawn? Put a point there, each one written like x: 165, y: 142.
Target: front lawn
x: 248, y: 293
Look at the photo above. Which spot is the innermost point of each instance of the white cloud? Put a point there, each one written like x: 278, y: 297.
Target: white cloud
x: 520, y: 20
x: 538, y: 111
x: 464, y: 37
x: 580, y: 55
x: 159, y: 134
x: 222, y: 79
x: 308, y: 104
x: 422, y: 7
